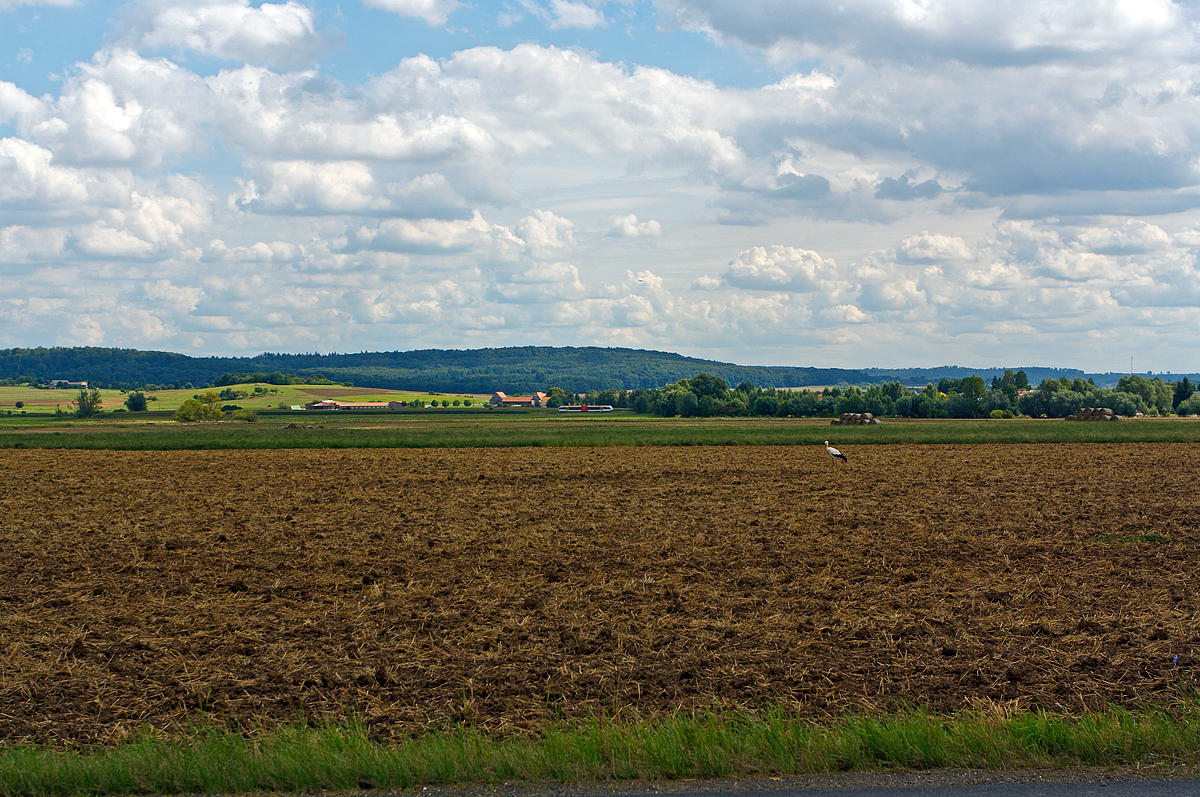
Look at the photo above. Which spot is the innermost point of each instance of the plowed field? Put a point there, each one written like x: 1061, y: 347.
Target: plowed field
x: 506, y: 587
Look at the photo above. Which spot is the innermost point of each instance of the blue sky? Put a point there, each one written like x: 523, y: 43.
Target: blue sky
x: 859, y: 183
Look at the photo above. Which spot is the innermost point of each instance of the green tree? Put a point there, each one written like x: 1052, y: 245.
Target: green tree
x: 686, y: 403
x: 764, y: 404
x: 998, y: 401
x: 1127, y: 404
x: 87, y: 403
x: 703, y: 384
x: 851, y: 401
x: 958, y: 406
x: 948, y: 386
x: 200, y: 408
x: 136, y: 401
x: 1183, y: 391
x: 972, y: 387
x: 1157, y: 394
x: 1190, y: 405
x: 1011, y: 384
x: 556, y: 397
x: 19, y: 404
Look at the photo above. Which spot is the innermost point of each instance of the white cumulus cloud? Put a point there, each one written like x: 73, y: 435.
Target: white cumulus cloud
x: 630, y: 227
x: 277, y: 33
x: 784, y: 268
x: 932, y: 248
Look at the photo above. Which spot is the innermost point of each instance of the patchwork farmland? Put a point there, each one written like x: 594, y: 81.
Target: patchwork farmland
x: 507, y: 587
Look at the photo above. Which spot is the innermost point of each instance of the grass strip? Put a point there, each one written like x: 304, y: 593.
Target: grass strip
x: 521, y: 429
x: 679, y: 746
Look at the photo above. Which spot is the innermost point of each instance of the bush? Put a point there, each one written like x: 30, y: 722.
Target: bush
x: 248, y: 416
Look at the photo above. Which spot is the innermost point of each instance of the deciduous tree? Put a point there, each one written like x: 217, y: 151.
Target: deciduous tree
x: 87, y: 403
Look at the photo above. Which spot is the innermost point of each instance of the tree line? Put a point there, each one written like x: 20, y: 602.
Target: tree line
x: 706, y: 395
x: 1007, y: 396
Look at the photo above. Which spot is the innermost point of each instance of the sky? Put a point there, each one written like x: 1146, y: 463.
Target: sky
x: 857, y: 183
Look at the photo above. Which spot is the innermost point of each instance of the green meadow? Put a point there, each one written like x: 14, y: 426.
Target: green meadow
x: 260, y: 396
x: 478, y: 426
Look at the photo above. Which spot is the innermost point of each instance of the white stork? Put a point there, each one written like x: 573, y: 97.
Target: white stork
x: 835, y: 455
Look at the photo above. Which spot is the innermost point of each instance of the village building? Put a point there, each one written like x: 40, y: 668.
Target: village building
x: 499, y: 399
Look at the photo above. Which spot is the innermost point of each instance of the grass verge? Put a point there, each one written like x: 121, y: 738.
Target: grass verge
x: 681, y: 746
x: 476, y: 429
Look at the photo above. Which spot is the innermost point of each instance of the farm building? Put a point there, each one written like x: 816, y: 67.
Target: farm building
x: 499, y: 399
x: 329, y: 404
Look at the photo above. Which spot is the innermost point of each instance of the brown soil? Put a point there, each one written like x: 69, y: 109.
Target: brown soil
x: 506, y: 587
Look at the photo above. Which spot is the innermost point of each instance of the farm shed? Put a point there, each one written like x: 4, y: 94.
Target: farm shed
x: 354, y: 405
x: 500, y: 399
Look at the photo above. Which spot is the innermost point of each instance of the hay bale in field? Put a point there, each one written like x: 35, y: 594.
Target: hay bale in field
x: 1094, y: 414
x: 855, y: 419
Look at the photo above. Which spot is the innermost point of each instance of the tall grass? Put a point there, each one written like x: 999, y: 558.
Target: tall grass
x: 471, y: 429
x: 679, y: 746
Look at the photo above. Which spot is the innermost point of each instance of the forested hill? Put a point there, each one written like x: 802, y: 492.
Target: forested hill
x: 514, y: 370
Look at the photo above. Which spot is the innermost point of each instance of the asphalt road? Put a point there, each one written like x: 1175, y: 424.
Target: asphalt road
x: 1159, y: 788
x: 1157, y: 782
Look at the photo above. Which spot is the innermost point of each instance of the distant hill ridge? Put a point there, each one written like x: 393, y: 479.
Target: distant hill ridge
x: 518, y: 369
